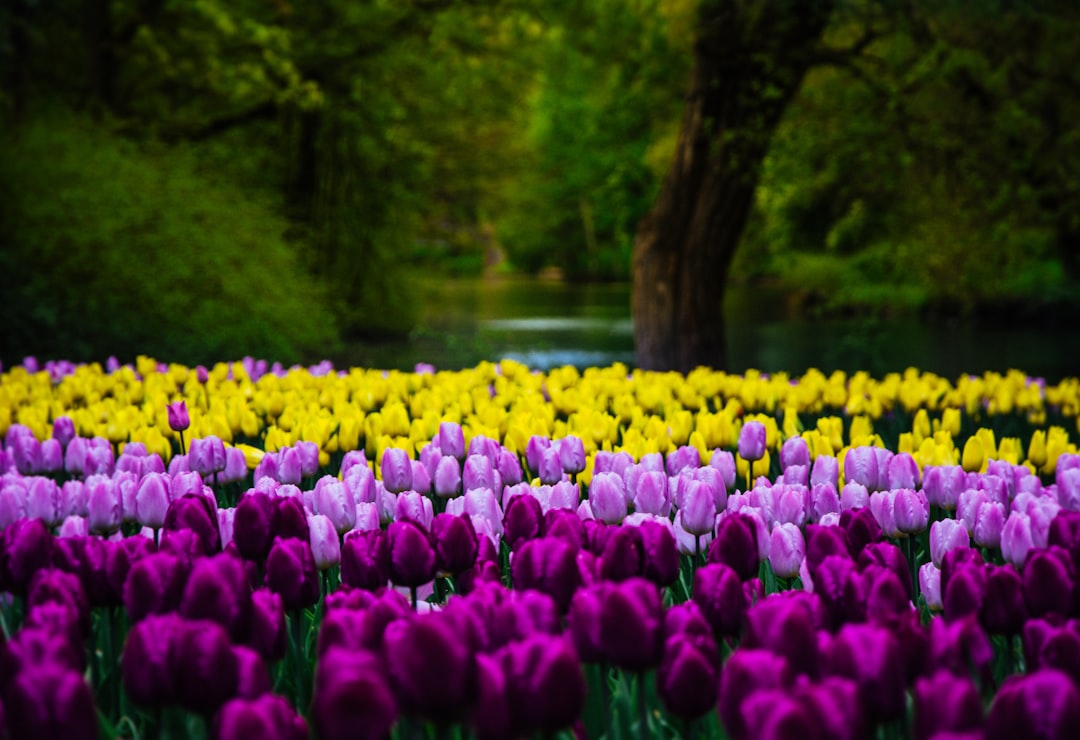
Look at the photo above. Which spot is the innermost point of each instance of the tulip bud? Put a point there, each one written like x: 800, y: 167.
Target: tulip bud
x: 412, y: 558
x: 178, y: 416
x: 861, y: 466
x: 396, y: 470
x: 572, y: 454
x: 206, y: 456
x: 325, y: 545
x: 549, y: 565
x: 365, y: 560
x: 53, y: 699
x: 724, y: 462
x: 752, y: 441
x: 736, y: 545
x: 152, y: 500
x: 217, y: 590
x: 451, y: 440
x: 794, y: 452
x: 291, y: 573
x: 335, y: 500
x: 930, y: 586
x: 269, y: 717
x: 607, y: 498
x: 826, y: 469
x: 353, y: 698
x: 290, y: 466
x: 787, y: 550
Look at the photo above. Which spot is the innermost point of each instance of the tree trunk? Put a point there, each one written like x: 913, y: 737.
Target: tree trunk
x: 749, y: 60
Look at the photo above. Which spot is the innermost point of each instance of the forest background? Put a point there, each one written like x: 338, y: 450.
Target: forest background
x: 204, y: 179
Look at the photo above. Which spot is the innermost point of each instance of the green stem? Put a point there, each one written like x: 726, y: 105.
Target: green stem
x: 183, y: 449
x: 643, y: 708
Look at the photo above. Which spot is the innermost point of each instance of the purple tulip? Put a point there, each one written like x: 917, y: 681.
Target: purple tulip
x: 736, y: 545
x: 688, y: 680
x: 196, y: 513
x: 334, y: 500
x: 353, y: 699
x: 63, y: 430
x: 291, y: 573
x: 447, y: 478
x: 456, y: 544
x: 572, y: 454
x: 787, y: 550
x: 787, y: 626
x: 235, y: 466
x: 943, y: 485
x: 660, y: 556
x: 1045, y: 702
x: 52, y: 456
x: 745, y: 673
x: 718, y: 592
x: 289, y: 519
x: 269, y: 717
x: 861, y: 466
x: 826, y: 469
x: 178, y: 417
x: 152, y: 500
x: 724, y: 462
x: 25, y: 548
x: 1049, y: 582
x: 365, y: 560
x: 752, y: 441
x: 946, y: 703
x: 1017, y: 538
x: 412, y: 557
x: 50, y: 700
x: 207, y: 456
x: 930, y: 587
x: 791, y: 503
x: 477, y: 473
x: 911, y: 511
x: 607, y: 498
x: 534, y: 450
x: 146, y: 663
x: 854, y: 496
x: 523, y: 520
x: 545, y: 686
x: 325, y: 544
x: 217, y: 590
x: 551, y: 470
x: 945, y: 535
x: 203, y: 664
x: 861, y: 528
x: 549, y: 565
x: 902, y: 472
x: 290, y: 466
x: 794, y: 451
x: 651, y: 495
x: 432, y: 671
x: 103, y: 505
x: 698, y: 508
x: 622, y: 556
x: 266, y: 629
x: 251, y: 525
x: 870, y: 655
x: 989, y: 521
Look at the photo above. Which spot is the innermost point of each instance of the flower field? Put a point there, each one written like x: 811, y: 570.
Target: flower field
x: 255, y: 551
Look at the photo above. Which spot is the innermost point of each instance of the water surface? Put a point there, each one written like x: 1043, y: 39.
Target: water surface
x: 546, y: 324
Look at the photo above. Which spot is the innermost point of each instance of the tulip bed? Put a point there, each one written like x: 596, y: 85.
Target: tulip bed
x: 252, y: 551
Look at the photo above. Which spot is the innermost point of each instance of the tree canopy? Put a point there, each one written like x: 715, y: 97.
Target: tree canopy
x: 289, y: 167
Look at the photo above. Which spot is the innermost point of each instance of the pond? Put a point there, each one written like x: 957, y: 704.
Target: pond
x: 548, y: 323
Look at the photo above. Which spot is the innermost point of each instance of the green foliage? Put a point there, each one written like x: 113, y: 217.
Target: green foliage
x: 115, y: 248
x: 608, y: 86
x: 930, y: 169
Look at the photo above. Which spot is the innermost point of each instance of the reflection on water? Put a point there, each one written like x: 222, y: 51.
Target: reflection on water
x: 546, y: 324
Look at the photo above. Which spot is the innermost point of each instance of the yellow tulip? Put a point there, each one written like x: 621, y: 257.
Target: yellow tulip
x: 974, y: 456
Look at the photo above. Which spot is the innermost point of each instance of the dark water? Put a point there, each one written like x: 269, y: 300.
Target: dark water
x: 546, y: 324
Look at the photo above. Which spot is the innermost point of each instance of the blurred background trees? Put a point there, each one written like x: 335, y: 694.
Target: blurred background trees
x: 199, y: 178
